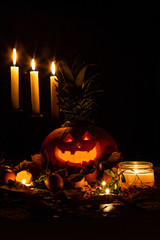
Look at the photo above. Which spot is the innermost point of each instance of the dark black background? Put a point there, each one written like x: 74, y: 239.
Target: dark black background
x: 123, y: 39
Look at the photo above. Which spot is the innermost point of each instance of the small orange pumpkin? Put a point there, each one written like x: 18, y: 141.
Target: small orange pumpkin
x: 6, y: 174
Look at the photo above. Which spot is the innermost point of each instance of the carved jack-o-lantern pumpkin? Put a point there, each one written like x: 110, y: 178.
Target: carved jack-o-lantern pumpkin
x: 72, y: 146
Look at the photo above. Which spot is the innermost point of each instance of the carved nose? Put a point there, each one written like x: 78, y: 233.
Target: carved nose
x: 79, y: 145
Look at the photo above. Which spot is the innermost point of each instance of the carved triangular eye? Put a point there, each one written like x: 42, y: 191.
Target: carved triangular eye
x: 86, y: 136
x: 68, y: 138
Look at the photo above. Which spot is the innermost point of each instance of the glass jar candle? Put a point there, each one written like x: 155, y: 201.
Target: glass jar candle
x: 140, y: 174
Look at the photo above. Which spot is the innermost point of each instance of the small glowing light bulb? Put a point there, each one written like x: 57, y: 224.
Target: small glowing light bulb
x: 107, y: 191
x: 103, y: 183
x: 24, y: 181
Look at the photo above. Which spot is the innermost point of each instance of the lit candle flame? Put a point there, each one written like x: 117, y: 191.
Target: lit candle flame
x: 53, y: 68
x: 136, y: 171
x: 24, y: 181
x: 14, y: 56
x: 33, y: 64
x: 107, y: 191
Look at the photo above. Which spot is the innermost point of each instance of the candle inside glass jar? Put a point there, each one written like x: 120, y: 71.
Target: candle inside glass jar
x: 139, y: 174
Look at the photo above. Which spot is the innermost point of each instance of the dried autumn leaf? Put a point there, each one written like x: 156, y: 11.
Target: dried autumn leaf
x: 115, y: 156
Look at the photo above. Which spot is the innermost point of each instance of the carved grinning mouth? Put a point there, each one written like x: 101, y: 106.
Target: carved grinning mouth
x: 78, y: 156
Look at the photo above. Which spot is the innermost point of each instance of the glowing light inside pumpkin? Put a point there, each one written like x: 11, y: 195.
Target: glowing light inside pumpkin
x: 78, y: 156
x: 33, y: 65
x: 69, y: 138
x: 79, y: 145
x: 86, y: 138
x: 14, y: 56
x: 136, y: 171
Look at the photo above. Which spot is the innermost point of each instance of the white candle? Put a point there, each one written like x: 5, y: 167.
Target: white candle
x: 34, y: 81
x: 54, y: 98
x: 14, y: 83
